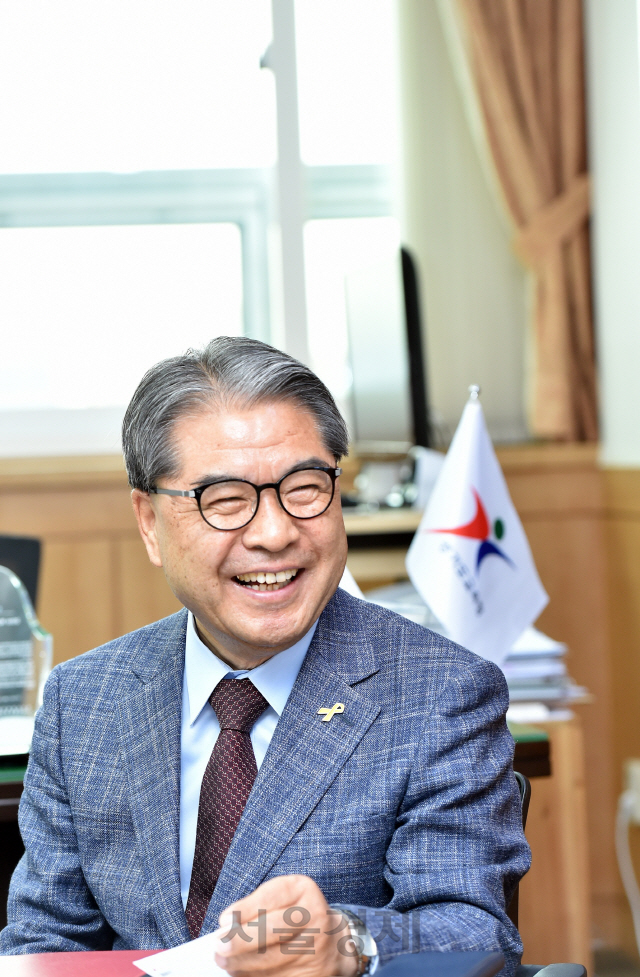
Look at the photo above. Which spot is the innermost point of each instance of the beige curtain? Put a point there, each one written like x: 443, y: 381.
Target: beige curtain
x: 527, y: 65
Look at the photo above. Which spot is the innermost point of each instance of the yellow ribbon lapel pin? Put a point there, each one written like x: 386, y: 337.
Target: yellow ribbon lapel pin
x: 328, y: 714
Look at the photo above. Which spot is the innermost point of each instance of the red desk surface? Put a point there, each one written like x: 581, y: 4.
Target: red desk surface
x: 96, y: 963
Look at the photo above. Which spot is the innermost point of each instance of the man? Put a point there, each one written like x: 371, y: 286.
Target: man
x: 279, y: 753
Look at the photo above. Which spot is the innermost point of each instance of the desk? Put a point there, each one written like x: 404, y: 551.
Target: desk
x: 98, y: 963
x: 119, y: 963
x: 554, y: 903
x: 11, y: 774
x: 532, y: 754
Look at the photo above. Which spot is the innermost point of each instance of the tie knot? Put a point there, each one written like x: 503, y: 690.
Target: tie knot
x: 237, y: 704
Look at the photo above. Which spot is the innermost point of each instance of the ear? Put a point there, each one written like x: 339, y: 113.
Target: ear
x: 147, y: 524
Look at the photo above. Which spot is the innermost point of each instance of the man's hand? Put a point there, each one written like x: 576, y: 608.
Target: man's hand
x: 285, y: 927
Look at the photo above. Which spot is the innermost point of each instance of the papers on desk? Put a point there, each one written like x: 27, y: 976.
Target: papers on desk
x: 535, y: 668
x: 16, y: 733
x: 535, y: 671
x: 193, y: 959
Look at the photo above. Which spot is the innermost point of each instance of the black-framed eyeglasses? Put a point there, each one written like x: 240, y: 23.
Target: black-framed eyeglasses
x: 231, y: 503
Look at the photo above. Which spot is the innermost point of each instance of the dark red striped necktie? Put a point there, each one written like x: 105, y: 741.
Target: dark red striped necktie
x: 225, y: 789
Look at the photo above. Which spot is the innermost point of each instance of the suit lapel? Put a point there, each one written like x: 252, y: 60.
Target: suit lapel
x: 149, y: 727
x: 303, y: 759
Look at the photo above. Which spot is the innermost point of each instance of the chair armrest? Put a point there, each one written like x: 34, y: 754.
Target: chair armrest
x: 552, y: 970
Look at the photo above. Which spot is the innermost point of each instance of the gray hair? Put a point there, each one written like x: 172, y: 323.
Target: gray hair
x: 229, y: 371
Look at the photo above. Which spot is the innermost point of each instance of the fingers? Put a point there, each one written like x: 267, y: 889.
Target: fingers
x: 278, y: 893
x: 285, y: 926
x: 294, y: 925
x: 306, y: 952
x: 276, y: 958
x: 296, y: 896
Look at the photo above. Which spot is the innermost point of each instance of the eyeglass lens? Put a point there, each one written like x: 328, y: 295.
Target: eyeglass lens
x: 231, y: 505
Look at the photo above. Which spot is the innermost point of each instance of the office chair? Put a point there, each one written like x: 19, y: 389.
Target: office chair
x: 529, y: 969
x: 525, y: 796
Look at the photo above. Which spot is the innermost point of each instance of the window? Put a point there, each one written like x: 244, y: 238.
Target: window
x: 115, y: 293
x: 137, y: 205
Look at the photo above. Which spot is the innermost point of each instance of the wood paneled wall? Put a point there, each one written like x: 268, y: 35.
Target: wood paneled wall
x: 96, y: 583
x: 558, y: 491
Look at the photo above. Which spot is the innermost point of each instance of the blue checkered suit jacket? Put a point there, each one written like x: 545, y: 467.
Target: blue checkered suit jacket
x: 403, y: 808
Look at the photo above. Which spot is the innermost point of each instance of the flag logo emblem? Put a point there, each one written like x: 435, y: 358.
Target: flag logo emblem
x: 479, y: 528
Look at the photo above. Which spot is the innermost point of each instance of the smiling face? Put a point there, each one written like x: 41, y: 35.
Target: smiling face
x: 217, y: 575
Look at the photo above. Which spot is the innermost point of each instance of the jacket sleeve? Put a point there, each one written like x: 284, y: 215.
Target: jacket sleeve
x: 458, y: 850
x: 50, y: 906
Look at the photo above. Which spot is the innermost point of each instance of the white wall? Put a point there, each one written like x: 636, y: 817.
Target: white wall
x: 474, y: 291
x: 613, y: 78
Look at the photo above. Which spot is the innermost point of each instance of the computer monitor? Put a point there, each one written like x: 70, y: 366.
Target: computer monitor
x: 389, y: 395
x: 21, y: 554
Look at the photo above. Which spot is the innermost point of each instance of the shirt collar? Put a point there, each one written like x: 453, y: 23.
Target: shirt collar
x: 274, y: 678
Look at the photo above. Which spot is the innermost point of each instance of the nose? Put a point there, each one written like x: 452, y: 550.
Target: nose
x: 271, y: 528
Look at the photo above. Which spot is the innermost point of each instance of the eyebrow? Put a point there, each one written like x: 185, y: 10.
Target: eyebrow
x: 227, y: 477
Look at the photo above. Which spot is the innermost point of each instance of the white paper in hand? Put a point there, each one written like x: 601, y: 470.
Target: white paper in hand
x: 193, y: 959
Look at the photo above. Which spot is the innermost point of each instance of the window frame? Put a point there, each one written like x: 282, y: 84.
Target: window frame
x: 238, y: 196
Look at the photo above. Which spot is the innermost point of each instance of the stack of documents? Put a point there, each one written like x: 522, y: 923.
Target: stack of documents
x: 535, y: 667
x: 535, y: 670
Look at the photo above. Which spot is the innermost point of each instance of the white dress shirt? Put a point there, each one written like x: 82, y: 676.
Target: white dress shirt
x: 200, y: 727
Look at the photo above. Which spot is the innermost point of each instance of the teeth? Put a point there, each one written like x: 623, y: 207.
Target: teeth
x: 267, y: 580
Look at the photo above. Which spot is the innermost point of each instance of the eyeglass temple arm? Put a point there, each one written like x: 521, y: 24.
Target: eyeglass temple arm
x: 187, y: 494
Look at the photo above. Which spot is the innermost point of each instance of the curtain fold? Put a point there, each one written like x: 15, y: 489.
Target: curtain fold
x: 526, y: 61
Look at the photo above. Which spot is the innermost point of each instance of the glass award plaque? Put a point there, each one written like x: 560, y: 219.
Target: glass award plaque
x: 25, y: 662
